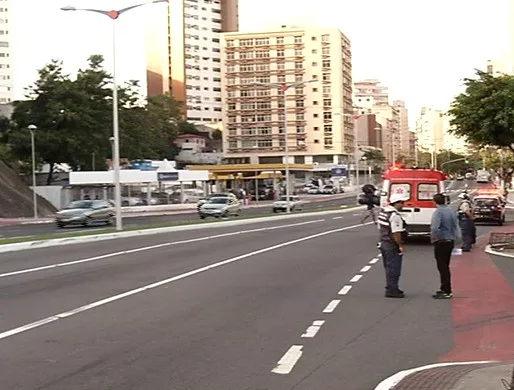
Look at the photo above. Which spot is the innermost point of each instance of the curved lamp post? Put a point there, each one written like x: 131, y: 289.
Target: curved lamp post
x: 114, y: 15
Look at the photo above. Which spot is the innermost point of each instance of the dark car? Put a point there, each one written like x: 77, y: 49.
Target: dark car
x: 86, y: 213
x: 489, y: 209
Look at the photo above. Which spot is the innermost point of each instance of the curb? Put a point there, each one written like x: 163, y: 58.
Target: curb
x: 20, y: 246
x: 491, y: 251
x: 391, y: 382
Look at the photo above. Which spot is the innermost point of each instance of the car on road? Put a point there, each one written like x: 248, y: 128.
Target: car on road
x: 489, y: 208
x: 220, y: 207
x: 206, y: 199
x: 295, y: 203
x: 86, y: 213
x: 328, y: 189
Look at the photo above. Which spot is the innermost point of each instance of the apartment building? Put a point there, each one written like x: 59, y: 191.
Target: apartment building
x: 369, y: 93
x: 429, y: 129
x: 6, y: 68
x: 183, y: 54
x: 389, y: 119
x: 451, y: 141
x: 368, y: 131
x: 316, y: 66
x: 404, y: 133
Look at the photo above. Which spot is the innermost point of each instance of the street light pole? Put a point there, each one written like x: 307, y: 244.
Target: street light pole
x: 32, y: 129
x: 114, y: 15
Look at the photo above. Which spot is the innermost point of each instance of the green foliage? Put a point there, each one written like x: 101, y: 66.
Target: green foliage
x: 185, y: 127
x: 484, y: 113
x: 443, y: 162
x: 74, y: 120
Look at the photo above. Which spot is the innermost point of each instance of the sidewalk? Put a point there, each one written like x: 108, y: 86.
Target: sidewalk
x: 466, y: 376
x: 146, y: 211
x: 483, y: 328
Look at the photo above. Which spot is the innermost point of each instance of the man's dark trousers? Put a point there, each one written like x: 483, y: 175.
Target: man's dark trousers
x: 468, y: 234
x: 443, y: 254
x: 392, y: 260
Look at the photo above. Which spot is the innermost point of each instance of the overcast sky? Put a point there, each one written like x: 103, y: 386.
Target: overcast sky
x: 420, y: 49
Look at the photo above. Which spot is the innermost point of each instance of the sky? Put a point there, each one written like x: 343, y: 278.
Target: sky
x: 420, y: 49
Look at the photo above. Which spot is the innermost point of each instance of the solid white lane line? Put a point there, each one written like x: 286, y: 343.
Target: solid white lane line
x: 345, y: 290
x: 313, y: 329
x: 331, y: 306
x: 365, y: 268
x: 356, y: 278
x: 152, y: 247
x: 373, y: 261
x: 286, y: 364
x: 163, y: 282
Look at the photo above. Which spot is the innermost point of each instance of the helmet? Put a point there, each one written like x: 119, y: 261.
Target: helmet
x: 395, y: 198
x: 463, y: 195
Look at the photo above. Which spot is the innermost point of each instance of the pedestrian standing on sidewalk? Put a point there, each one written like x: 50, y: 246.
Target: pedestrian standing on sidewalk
x: 391, y: 226
x: 444, y: 231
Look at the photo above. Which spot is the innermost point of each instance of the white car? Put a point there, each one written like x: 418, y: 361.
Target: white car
x: 294, y: 204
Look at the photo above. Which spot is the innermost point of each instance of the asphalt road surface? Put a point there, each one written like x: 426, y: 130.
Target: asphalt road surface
x: 277, y: 305
x: 50, y: 228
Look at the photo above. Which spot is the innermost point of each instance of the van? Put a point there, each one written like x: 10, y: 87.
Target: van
x: 420, y: 185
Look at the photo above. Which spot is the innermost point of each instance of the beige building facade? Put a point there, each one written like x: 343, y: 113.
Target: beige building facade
x: 183, y: 53
x: 403, y: 112
x: 430, y: 129
x: 6, y: 64
x: 316, y: 66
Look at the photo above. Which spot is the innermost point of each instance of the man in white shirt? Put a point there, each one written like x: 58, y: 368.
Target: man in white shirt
x: 466, y: 223
x: 391, y: 226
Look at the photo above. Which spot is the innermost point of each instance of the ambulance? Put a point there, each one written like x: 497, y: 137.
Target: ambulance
x: 420, y: 185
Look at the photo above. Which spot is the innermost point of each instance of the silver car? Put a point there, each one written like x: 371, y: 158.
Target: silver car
x: 86, y: 213
x: 220, y: 207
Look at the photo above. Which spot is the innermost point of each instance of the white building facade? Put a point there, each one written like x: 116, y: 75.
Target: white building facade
x: 6, y: 68
x: 320, y: 126
x: 430, y: 129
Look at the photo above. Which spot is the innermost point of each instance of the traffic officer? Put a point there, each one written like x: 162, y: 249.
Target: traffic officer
x: 391, y: 225
x: 466, y: 223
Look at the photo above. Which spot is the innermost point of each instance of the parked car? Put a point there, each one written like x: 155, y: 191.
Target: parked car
x: 206, y: 199
x: 131, y: 201
x: 295, y: 203
x: 489, y: 208
x: 220, y: 207
x: 86, y: 213
x: 328, y: 189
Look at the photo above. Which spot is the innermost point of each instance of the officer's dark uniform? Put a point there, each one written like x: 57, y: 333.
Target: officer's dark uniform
x: 467, y: 227
x: 391, y: 256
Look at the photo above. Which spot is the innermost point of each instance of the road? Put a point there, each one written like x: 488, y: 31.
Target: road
x: 219, y: 309
x: 50, y: 228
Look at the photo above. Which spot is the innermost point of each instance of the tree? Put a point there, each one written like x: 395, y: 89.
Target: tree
x: 443, y: 162
x: 375, y: 157
x: 484, y: 113
x: 185, y: 127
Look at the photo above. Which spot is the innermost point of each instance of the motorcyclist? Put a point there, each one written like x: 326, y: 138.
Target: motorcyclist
x: 466, y: 223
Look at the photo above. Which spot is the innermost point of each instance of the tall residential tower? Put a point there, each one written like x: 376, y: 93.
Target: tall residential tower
x: 6, y: 69
x: 183, y: 54
x: 320, y: 126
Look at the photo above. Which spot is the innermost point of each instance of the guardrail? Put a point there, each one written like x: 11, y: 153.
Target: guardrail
x: 505, y: 240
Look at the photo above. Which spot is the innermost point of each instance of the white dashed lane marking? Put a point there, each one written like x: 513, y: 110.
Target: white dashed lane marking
x: 373, y: 261
x: 313, y: 329
x: 286, y: 364
x: 356, y: 278
x: 345, y: 290
x: 365, y: 268
x: 331, y: 306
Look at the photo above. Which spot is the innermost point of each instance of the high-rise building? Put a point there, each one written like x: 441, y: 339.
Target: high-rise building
x: 6, y: 68
x: 320, y: 126
x: 430, y: 129
x: 404, y: 133
x: 183, y: 54
x: 389, y: 118
x: 369, y: 93
x: 451, y: 141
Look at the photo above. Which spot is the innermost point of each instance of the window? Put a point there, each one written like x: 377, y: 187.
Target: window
x: 232, y: 145
x: 264, y: 130
x: 300, y: 129
x: 316, y: 128
x: 300, y: 116
x: 298, y: 77
x: 261, y: 67
x: 263, y: 79
x: 280, y: 53
x: 315, y: 115
x: 230, y: 56
x: 280, y: 40
x: 232, y: 106
x: 263, y: 105
x: 327, y: 116
x: 315, y: 103
x: 327, y: 102
x: 314, y: 38
x: 325, y: 38
x: 298, y: 65
x: 246, y: 68
x: 246, y: 42
x: 247, y: 106
x: 298, y: 52
x: 400, y: 188
x: 326, y: 64
x: 230, y: 43
x: 261, y: 41
x: 326, y: 89
x: 427, y: 191
x: 328, y: 141
x: 325, y: 51
x: 267, y: 143
x: 262, y: 54
x: 248, y: 144
x: 299, y: 103
x: 281, y: 65
x: 327, y: 128
x: 281, y: 78
x: 314, y: 64
x: 326, y: 76
x: 314, y: 51
x: 298, y: 39
x: 246, y: 55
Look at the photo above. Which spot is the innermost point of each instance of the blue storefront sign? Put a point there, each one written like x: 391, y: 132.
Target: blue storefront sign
x: 167, y: 176
x: 339, y: 172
